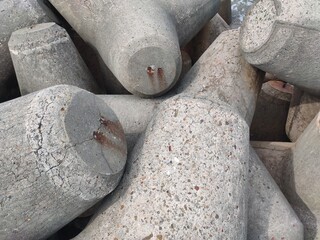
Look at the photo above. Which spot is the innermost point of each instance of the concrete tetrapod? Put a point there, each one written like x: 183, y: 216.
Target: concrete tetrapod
x: 139, y: 39
x: 15, y: 14
x: 43, y: 55
x: 303, y: 108
x: 173, y: 186
x: 270, y: 215
x: 62, y: 150
x: 180, y: 180
x: 281, y: 36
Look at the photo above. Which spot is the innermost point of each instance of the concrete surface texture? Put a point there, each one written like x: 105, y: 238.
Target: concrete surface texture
x: 58, y: 169
x: 43, y: 55
x: 134, y: 114
x: 173, y: 187
x: 270, y: 216
x: 303, y: 108
x: 205, y: 37
x: 280, y: 37
x: 220, y: 72
x: 145, y: 57
x: 301, y: 185
x: 15, y: 14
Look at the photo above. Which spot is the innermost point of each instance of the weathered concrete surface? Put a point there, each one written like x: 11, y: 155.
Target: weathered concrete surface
x: 220, y: 72
x: 275, y: 157
x: 15, y: 14
x: 269, y: 120
x: 145, y: 57
x: 62, y: 150
x: 43, y: 55
x: 303, y: 108
x: 297, y: 175
x: 206, y: 36
x: 181, y: 181
x: 134, y: 114
x: 280, y: 37
x: 301, y: 178
x: 270, y: 216
x: 173, y: 186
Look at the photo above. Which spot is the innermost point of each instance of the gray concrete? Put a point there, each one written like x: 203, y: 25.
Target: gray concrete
x: 134, y: 114
x: 180, y: 180
x: 44, y: 55
x: 206, y: 36
x: 139, y: 40
x: 303, y: 108
x: 220, y: 72
x: 15, y: 14
x: 297, y: 175
x: 270, y: 216
x: 62, y: 150
x: 173, y: 187
x: 275, y: 157
x: 280, y: 37
x: 301, y: 178
x: 269, y: 120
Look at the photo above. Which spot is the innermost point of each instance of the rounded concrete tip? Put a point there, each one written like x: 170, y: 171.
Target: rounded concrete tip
x: 258, y: 25
x: 152, y: 66
x: 96, y: 133
x: 27, y: 38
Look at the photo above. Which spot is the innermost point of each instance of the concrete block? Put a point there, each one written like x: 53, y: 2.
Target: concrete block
x: 15, y: 14
x: 271, y: 112
x: 145, y: 57
x: 299, y: 175
x: 270, y: 216
x: 206, y: 36
x: 280, y: 37
x: 221, y: 70
x: 62, y: 150
x: 275, y: 157
x: 301, y: 178
x: 134, y: 114
x: 44, y: 55
x: 303, y: 108
x: 173, y: 186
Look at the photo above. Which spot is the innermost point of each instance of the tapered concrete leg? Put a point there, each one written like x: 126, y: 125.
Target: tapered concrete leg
x: 44, y: 55
x: 270, y: 215
x: 62, y: 150
x: 303, y: 108
x: 275, y: 157
x: 133, y: 112
x: 280, y: 37
x: 301, y: 178
x: 145, y: 57
x: 173, y: 186
x: 15, y: 14
x: 202, y: 41
x: 220, y: 72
